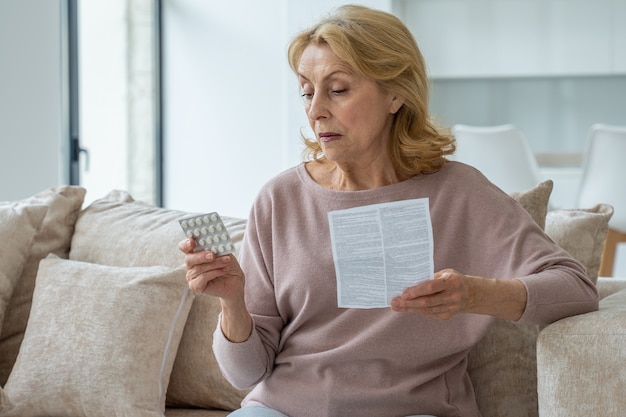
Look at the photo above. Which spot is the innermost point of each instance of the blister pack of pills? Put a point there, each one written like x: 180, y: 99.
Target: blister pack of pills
x: 209, y: 232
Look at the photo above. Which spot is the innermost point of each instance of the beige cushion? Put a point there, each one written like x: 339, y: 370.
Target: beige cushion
x: 100, y: 341
x: 581, y: 232
x: 54, y: 236
x: 106, y: 228
x: 18, y: 226
x: 503, y: 365
x: 103, y: 232
x: 581, y: 362
x: 535, y: 201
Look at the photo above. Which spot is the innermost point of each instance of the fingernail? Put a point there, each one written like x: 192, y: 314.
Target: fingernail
x: 209, y: 255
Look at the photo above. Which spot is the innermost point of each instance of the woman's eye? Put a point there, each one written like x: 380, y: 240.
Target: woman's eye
x: 339, y: 91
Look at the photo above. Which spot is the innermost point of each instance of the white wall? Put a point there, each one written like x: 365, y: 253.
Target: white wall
x: 223, y: 113
x: 32, y: 98
x: 513, y: 38
x: 233, y: 114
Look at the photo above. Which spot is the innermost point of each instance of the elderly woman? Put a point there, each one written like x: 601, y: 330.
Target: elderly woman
x: 364, y: 87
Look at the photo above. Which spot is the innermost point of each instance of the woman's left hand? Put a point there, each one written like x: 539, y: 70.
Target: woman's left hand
x: 450, y: 293
x: 447, y: 294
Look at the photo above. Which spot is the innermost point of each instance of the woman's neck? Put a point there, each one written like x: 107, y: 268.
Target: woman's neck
x: 350, y: 177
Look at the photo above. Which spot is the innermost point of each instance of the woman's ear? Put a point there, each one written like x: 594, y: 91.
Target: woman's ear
x: 396, y: 104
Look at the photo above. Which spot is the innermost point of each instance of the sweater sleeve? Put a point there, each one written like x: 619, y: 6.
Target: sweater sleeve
x: 246, y: 364
x: 560, y: 291
x: 242, y: 364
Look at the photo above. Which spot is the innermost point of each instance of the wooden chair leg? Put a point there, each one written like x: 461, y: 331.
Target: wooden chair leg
x: 608, y: 253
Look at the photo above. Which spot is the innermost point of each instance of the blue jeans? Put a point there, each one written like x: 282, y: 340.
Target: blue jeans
x: 268, y: 412
x: 256, y: 412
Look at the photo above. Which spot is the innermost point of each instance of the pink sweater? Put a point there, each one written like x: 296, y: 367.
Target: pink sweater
x: 310, y: 358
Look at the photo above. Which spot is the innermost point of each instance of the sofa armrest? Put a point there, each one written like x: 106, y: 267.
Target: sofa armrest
x: 581, y: 363
x: 608, y: 286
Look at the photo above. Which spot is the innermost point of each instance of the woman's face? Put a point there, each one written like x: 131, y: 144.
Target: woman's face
x: 350, y: 115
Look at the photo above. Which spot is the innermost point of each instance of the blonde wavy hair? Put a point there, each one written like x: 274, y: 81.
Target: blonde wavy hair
x: 379, y: 46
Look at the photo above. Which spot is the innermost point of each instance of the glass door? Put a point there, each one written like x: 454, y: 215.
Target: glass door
x: 117, y: 142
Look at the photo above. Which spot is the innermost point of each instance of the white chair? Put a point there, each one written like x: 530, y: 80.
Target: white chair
x: 502, y: 153
x: 604, y: 181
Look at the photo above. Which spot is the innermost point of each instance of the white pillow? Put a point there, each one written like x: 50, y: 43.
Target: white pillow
x: 100, y: 341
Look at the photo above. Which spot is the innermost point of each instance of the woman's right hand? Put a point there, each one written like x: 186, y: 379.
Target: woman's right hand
x: 209, y: 274
x: 220, y: 276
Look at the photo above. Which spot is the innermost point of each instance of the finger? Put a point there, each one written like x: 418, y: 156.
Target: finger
x: 206, y: 265
x: 200, y: 282
x: 440, y: 311
x: 199, y: 259
x: 443, y: 275
x: 197, y: 284
x: 187, y: 245
x: 421, y: 303
x: 423, y: 289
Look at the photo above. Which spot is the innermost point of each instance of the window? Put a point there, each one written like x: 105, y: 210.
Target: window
x: 117, y: 97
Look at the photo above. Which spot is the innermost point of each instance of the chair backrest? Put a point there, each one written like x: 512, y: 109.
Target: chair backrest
x: 604, y: 172
x: 502, y: 153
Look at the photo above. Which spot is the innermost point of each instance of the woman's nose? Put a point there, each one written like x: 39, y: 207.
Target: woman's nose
x: 317, y: 108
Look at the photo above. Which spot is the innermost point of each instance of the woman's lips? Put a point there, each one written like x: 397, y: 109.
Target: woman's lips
x: 329, y: 136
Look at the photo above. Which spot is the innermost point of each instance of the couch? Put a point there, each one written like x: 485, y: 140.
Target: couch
x: 97, y: 319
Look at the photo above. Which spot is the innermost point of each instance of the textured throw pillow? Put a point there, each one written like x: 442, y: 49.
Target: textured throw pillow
x: 54, y: 236
x: 104, y: 232
x: 18, y: 226
x: 535, y: 201
x: 503, y: 365
x: 100, y: 341
x: 581, y: 232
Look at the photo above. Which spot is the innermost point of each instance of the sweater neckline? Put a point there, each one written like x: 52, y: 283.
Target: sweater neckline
x: 385, y: 190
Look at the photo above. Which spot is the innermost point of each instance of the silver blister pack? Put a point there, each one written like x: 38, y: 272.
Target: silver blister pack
x: 209, y: 232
